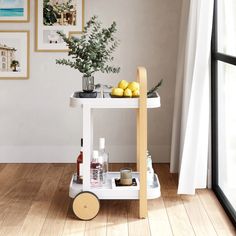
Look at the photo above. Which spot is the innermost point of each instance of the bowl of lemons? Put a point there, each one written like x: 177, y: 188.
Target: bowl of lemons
x: 126, y: 90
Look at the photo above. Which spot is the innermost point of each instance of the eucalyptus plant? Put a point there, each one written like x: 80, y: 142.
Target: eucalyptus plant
x: 92, y: 51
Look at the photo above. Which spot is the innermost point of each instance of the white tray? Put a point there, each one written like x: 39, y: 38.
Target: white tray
x: 106, y: 191
x: 109, y: 102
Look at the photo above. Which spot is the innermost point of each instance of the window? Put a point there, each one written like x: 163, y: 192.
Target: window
x: 3, y: 66
x: 3, y: 53
x: 223, y: 105
x: 4, y: 59
x: 226, y: 27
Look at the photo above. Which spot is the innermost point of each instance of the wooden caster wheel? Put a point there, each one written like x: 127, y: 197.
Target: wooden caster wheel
x: 86, y: 205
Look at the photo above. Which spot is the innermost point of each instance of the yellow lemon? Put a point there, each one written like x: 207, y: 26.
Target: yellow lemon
x: 117, y: 92
x: 123, y: 84
x: 136, y: 93
x: 133, y: 86
x: 128, y: 93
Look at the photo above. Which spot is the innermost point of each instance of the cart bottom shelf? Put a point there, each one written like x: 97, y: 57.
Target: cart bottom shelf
x: 109, y: 191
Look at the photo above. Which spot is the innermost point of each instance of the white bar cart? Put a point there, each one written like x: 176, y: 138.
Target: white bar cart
x: 86, y: 198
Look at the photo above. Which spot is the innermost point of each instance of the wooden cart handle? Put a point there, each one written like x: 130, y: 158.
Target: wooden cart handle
x: 142, y: 141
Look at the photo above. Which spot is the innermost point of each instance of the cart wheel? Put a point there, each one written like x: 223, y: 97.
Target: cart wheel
x: 86, y: 205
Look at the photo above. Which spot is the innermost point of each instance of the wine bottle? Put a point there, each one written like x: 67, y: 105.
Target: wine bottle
x: 80, y: 165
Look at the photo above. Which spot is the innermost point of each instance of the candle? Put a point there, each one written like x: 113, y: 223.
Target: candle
x: 126, y: 176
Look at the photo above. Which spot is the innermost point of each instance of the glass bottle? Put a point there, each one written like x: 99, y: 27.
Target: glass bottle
x: 150, y: 171
x: 103, y: 155
x: 96, y: 170
x: 80, y: 165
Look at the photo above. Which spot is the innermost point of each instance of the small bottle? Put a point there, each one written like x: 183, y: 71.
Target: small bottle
x: 103, y: 155
x: 96, y: 170
x: 150, y: 171
x: 80, y: 165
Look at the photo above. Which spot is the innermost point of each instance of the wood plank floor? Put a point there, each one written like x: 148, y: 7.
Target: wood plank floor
x: 34, y: 201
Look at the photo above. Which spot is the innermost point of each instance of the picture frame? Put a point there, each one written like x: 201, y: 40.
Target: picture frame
x: 14, y: 54
x: 57, y: 15
x: 17, y: 11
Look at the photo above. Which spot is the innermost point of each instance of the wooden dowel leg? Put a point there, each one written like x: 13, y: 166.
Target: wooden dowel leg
x: 142, y: 141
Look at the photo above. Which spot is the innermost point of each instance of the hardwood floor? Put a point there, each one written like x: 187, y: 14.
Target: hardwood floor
x: 34, y: 201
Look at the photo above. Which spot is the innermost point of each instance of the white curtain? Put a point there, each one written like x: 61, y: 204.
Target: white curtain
x: 190, y: 142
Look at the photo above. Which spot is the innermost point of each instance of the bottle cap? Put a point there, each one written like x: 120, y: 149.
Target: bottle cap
x: 148, y: 154
x: 95, y: 154
x: 102, y: 143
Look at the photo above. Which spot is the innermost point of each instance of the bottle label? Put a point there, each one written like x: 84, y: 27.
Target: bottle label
x: 81, y: 169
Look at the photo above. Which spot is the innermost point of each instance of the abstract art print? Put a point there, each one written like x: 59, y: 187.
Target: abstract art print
x: 14, y: 54
x: 14, y: 10
x: 57, y: 15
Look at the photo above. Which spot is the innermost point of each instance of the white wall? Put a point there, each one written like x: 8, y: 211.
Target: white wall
x: 36, y: 123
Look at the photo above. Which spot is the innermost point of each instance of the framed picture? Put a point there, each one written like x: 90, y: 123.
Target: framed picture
x: 57, y: 15
x: 14, y: 54
x: 14, y: 10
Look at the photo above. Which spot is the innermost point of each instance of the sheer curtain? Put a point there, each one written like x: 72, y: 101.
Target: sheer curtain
x: 190, y: 142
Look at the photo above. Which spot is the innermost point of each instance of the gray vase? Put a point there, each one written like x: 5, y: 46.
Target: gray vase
x: 88, y: 84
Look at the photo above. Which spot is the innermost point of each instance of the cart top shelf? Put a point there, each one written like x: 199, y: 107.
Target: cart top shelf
x: 109, y: 102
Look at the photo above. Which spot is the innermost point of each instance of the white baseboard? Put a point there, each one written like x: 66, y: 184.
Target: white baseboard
x: 68, y: 154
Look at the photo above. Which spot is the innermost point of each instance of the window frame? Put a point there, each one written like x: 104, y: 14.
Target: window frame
x: 215, y: 57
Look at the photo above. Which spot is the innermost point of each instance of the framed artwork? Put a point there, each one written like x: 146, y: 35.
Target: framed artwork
x: 14, y: 10
x: 14, y: 54
x: 57, y: 15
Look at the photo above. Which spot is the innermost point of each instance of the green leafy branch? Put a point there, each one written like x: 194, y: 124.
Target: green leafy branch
x: 93, y: 50
x: 155, y: 88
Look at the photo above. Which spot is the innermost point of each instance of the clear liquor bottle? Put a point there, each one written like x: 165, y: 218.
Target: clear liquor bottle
x: 104, y: 156
x: 150, y: 171
x: 96, y: 171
